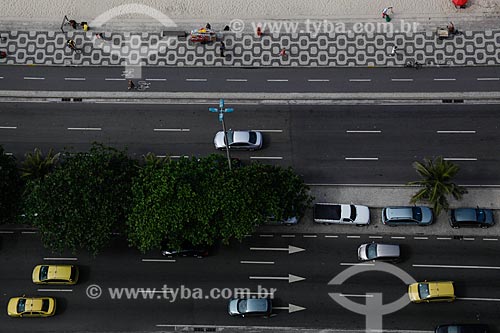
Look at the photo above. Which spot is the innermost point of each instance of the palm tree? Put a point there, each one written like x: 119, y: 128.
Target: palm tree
x: 36, y: 166
x: 436, y: 183
x: 155, y: 161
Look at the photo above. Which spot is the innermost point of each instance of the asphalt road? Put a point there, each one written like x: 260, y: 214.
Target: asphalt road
x: 476, y: 277
x: 348, y: 144
x: 326, y: 80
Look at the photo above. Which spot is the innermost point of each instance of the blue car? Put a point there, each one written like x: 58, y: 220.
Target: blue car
x: 471, y: 217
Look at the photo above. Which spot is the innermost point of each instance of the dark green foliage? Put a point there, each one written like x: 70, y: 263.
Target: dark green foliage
x: 437, y: 183
x: 84, y: 199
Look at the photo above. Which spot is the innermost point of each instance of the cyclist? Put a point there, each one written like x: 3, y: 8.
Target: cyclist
x: 71, y: 44
x: 131, y: 85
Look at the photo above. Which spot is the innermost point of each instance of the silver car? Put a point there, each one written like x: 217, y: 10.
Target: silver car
x: 250, y: 307
x: 377, y: 251
x: 407, y: 215
x: 244, y: 140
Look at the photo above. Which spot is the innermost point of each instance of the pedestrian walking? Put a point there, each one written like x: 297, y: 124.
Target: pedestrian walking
x: 259, y: 31
x: 283, y: 53
x: 385, y: 13
x: 131, y: 85
x: 3, y: 54
x: 85, y: 26
x: 394, y: 50
x: 208, y: 26
x: 222, y: 48
x: 72, y: 23
x: 72, y: 45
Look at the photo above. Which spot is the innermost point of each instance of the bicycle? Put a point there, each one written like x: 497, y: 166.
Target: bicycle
x: 143, y: 85
x: 411, y: 64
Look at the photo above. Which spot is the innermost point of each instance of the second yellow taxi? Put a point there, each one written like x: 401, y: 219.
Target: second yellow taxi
x: 431, y: 291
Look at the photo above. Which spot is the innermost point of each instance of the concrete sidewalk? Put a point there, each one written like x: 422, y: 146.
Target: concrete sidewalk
x: 377, y: 197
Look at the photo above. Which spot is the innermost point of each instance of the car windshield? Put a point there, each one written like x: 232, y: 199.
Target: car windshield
x: 417, y: 213
x: 353, y: 213
x: 253, y: 137
x: 481, y: 216
x: 21, y: 305
x: 423, y: 290
x: 242, y: 306
x: 230, y: 137
x: 371, y: 251
x: 44, y: 272
x: 45, y: 305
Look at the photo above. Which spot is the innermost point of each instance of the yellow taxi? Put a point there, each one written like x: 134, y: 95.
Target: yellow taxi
x: 55, y: 274
x: 31, y: 307
x: 433, y: 291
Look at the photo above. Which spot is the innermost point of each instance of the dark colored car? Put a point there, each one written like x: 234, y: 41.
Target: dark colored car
x: 243, y: 307
x: 186, y: 250
x: 378, y: 251
x: 471, y: 217
x: 416, y: 215
x: 462, y: 328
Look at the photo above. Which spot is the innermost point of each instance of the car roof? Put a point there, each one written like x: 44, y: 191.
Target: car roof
x: 241, y: 136
x: 399, y: 212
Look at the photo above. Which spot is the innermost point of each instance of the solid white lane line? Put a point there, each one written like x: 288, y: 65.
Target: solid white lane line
x: 456, y: 266
x: 356, y: 236
x: 70, y: 290
x: 84, y: 128
x: 59, y: 258
x: 114, y: 79
x: 33, y: 78
x: 156, y: 79
x: 331, y: 236
x: 288, y: 236
x: 356, y: 264
x: 490, y: 239
x: 196, y: 80
x: 459, y: 158
x: 443, y: 238
x: 268, y: 131
x: 488, y: 79
x: 318, y: 80
x: 450, y: 79
x: 171, y: 129
x: 355, y: 295
x: 356, y: 131
x: 74, y: 79
x: 478, y: 299
x: 361, y: 158
x: 236, y: 80
x: 402, y: 80
x: 309, y: 236
x: 456, y: 132
x: 398, y: 237
x: 266, y: 235
x: 360, y: 80
x: 375, y: 237
x: 266, y: 157
x: 257, y: 262
x: 277, y: 80
x: 417, y: 237
x: 158, y: 260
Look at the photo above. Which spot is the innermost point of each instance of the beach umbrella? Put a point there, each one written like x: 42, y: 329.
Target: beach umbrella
x: 459, y: 3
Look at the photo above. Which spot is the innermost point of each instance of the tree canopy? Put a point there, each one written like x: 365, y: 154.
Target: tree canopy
x: 11, y: 188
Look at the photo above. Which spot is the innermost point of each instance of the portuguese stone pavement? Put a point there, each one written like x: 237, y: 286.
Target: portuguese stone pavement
x: 324, y: 49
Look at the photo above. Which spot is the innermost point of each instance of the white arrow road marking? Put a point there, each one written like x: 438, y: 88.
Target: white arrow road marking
x: 291, y: 249
x: 46, y: 258
x: 291, y: 278
x: 478, y: 299
x: 257, y: 262
x: 456, y: 266
x: 51, y: 290
x: 291, y: 308
x: 158, y: 260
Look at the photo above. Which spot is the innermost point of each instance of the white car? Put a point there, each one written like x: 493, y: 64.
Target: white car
x: 244, y: 140
x: 328, y: 213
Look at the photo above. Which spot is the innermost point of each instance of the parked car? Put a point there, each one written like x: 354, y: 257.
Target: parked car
x: 462, y: 328
x: 434, y: 291
x: 243, y: 140
x: 378, y: 251
x: 407, y: 215
x: 328, y: 213
x: 471, y: 217
x: 55, y: 274
x: 250, y: 307
x: 31, y: 307
x: 185, y: 250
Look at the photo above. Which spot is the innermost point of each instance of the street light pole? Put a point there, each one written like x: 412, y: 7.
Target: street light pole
x: 221, y: 110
